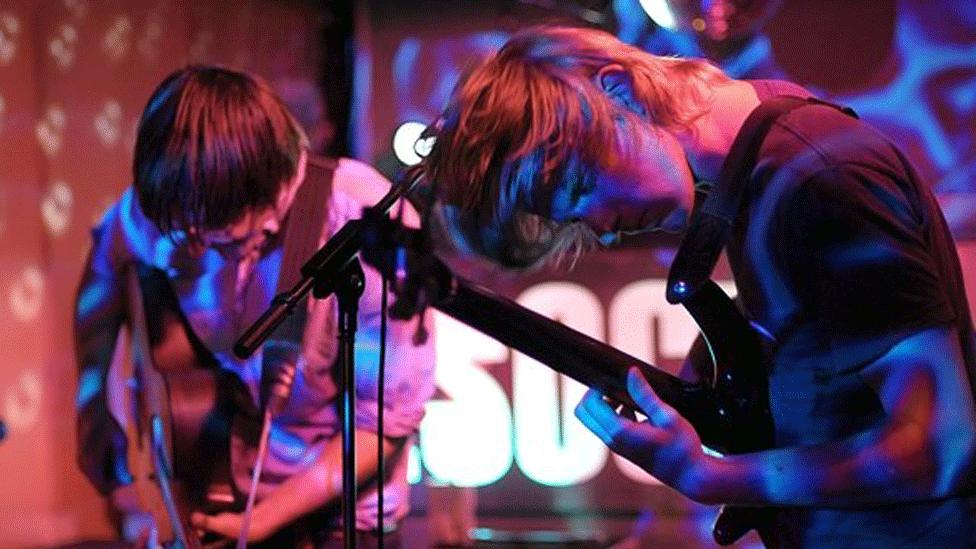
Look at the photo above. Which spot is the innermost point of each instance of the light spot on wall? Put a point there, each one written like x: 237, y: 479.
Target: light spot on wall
x: 148, y: 44
x: 77, y: 8
x: 56, y: 206
x: 62, y: 47
x: 117, y: 39
x: 50, y: 130
x: 22, y: 402
x: 9, y: 34
x: 108, y: 123
x: 27, y: 294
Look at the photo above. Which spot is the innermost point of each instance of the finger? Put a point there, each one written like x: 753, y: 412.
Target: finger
x: 584, y: 412
x: 657, y: 411
x: 601, y: 411
x: 635, y: 441
x: 626, y: 411
x: 225, y: 524
x: 622, y: 435
x: 142, y: 540
x: 199, y: 520
x: 620, y: 408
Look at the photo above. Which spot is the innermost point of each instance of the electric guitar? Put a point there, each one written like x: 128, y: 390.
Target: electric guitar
x: 729, y: 408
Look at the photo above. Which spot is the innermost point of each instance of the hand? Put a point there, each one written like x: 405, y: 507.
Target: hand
x: 138, y: 525
x: 229, y: 525
x: 665, y: 444
x: 139, y: 529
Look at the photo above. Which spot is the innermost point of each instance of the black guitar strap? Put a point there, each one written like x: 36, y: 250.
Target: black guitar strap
x: 711, y: 225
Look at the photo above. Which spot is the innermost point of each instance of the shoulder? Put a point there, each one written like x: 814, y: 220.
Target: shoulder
x: 359, y: 181
x: 124, y: 219
x: 821, y: 153
x: 125, y: 233
x: 855, y: 192
x: 766, y: 88
x: 818, y: 136
x: 358, y: 185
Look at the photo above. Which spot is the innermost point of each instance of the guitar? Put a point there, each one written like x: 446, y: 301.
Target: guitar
x: 178, y: 408
x: 729, y: 407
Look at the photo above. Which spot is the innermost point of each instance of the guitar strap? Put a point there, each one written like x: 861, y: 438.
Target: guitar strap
x: 301, y: 234
x: 711, y: 226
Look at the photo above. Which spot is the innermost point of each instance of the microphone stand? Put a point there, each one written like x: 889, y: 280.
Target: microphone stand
x: 334, y: 268
x: 348, y: 287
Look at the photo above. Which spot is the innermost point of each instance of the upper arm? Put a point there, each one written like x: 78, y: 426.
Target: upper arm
x: 99, y: 304
x: 858, y: 258
x: 98, y: 317
x: 367, y: 186
x: 923, y: 386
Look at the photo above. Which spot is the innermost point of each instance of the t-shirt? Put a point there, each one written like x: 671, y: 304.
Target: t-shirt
x: 839, y: 252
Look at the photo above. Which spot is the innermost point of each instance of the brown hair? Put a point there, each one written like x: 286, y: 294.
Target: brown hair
x: 212, y: 144
x: 531, y: 119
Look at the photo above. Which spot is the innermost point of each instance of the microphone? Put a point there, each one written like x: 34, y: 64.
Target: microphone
x: 278, y: 377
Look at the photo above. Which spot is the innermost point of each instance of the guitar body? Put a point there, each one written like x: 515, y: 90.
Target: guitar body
x: 178, y: 412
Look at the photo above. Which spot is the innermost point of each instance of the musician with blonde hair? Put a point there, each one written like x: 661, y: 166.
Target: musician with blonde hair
x: 567, y: 137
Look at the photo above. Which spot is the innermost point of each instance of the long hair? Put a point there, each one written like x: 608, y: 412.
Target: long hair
x: 212, y: 144
x: 533, y: 118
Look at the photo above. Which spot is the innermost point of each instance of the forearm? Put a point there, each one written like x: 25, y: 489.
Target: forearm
x: 884, y: 465
x: 925, y: 449
x: 98, y: 317
x: 321, y: 483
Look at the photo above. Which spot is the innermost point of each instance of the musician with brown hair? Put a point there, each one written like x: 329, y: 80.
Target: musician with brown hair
x: 219, y: 168
x: 841, y: 258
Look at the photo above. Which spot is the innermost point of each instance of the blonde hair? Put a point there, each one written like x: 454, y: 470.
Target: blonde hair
x: 532, y: 118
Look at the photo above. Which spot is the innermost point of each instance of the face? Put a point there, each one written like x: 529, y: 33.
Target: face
x: 647, y: 187
x: 250, y: 232
x: 239, y: 239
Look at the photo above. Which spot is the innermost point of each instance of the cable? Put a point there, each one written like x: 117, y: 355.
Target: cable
x: 278, y: 395
x: 380, y: 382
x: 255, y: 478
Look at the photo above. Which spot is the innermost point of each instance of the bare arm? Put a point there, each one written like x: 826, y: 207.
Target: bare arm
x: 321, y: 484
x: 925, y: 449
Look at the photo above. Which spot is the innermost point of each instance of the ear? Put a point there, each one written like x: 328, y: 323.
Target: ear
x: 617, y: 83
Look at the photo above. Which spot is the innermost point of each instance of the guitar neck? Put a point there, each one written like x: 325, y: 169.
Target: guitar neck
x: 587, y: 360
